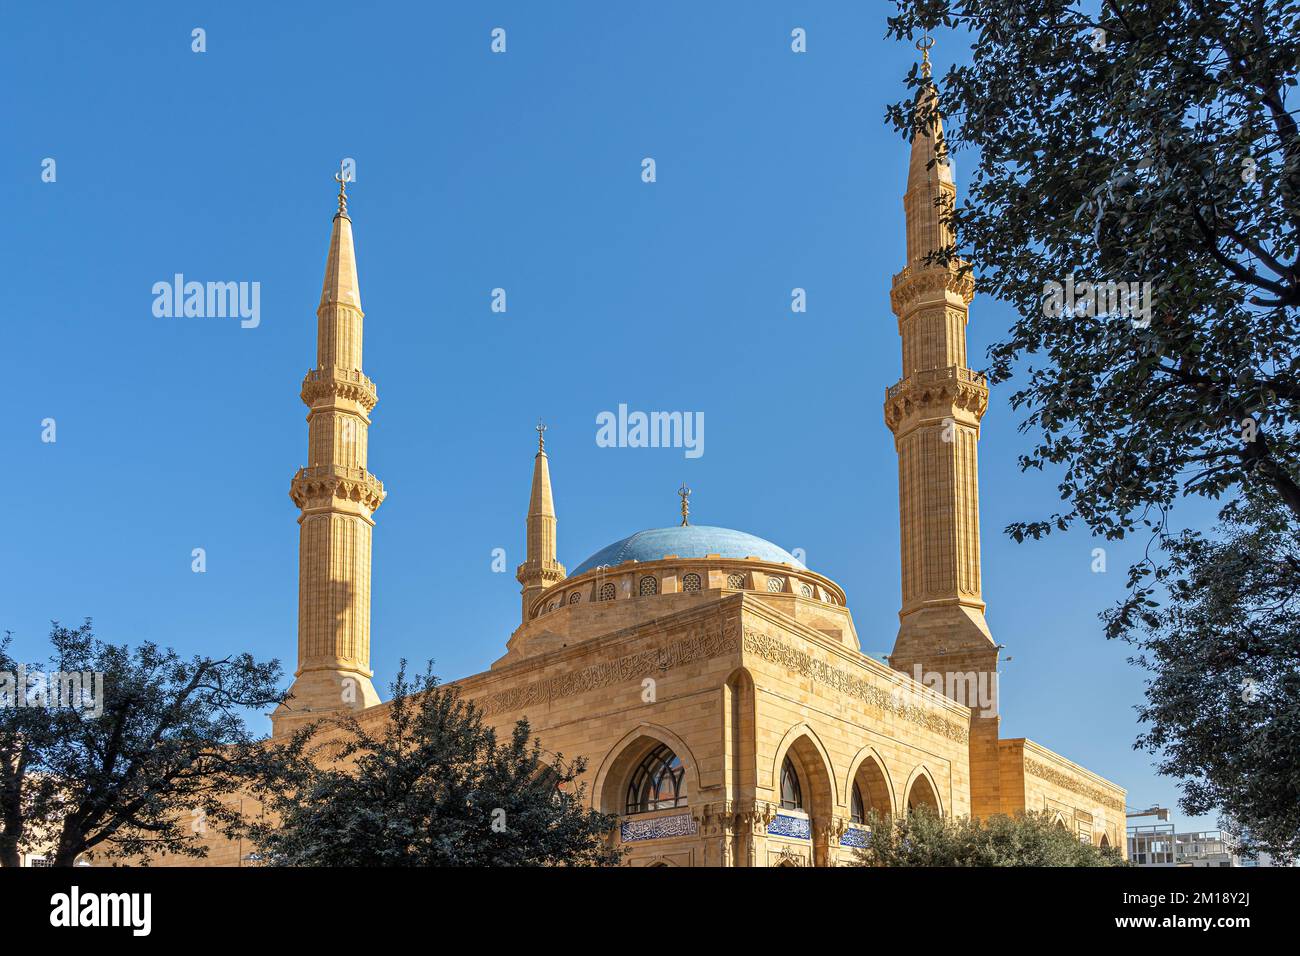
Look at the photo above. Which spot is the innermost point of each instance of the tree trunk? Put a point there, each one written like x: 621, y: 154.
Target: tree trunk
x: 9, y: 855
x: 71, y: 845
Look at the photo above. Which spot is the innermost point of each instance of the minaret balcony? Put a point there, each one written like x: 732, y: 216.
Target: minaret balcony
x: 930, y: 283
x: 936, y: 393
x: 336, y: 487
x: 332, y: 384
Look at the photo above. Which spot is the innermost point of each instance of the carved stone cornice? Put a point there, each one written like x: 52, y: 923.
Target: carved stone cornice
x: 700, y: 642
x: 853, y: 684
x: 335, y: 383
x: 930, y: 283
x: 1068, y: 782
x: 320, y: 486
x: 943, y: 390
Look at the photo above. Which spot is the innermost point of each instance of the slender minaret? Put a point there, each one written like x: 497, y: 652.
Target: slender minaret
x: 540, y: 568
x: 338, y: 498
x: 934, y: 412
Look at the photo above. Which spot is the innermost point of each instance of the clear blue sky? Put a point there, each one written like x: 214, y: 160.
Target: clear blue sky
x: 477, y: 171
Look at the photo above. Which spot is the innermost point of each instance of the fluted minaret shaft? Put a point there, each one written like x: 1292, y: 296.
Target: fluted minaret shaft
x: 934, y: 410
x: 337, y: 497
x: 541, y: 568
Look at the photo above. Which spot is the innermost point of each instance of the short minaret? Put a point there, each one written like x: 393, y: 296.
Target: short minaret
x: 540, y: 569
x: 934, y: 412
x: 337, y: 497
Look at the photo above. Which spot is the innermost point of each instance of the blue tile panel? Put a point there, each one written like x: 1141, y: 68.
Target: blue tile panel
x: 656, y: 828
x: 785, y: 825
x: 856, y: 836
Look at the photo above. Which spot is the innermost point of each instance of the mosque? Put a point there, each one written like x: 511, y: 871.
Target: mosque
x: 714, y: 683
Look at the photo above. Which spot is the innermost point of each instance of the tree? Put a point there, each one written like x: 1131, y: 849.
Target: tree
x: 1150, y: 143
x: 923, y: 838
x: 1147, y: 143
x: 125, y: 752
x: 430, y: 786
x: 1223, y: 706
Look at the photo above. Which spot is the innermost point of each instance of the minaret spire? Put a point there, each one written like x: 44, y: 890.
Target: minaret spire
x: 337, y: 497
x: 934, y: 411
x: 541, y: 568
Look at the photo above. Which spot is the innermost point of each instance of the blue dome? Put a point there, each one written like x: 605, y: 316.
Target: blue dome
x: 689, y: 541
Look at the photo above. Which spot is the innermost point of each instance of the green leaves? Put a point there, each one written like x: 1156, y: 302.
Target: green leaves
x: 425, y: 784
x: 921, y: 838
x: 1223, y: 704
x: 1154, y: 140
x: 147, y: 774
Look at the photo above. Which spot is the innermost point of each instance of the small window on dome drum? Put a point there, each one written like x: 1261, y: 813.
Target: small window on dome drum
x: 736, y: 581
x: 575, y: 597
x: 775, y: 584
x: 691, y: 582
x: 649, y: 584
x: 607, y: 591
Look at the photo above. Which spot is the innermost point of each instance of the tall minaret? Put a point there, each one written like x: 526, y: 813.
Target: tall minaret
x: 338, y: 498
x: 540, y: 568
x: 934, y: 412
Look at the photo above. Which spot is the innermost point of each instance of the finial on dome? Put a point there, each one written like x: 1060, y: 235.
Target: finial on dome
x: 685, y: 494
x: 541, y: 437
x: 924, y: 44
x: 341, y: 177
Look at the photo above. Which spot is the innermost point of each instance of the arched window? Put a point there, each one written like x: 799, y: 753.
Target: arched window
x: 691, y: 582
x: 736, y: 581
x: 775, y: 584
x: 922, y: 796
x: 791, y: 793
x: 575, y: 597
x: 806, y: 590
x: 659, y: 782
x: 649, y: 584
x: 607, y: 591
x: 857, y: 809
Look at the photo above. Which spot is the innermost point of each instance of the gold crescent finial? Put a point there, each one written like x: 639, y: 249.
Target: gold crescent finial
x: 341, y: 177
x: 685, y: 494
x: 924, y: 44
x: 541, y: 436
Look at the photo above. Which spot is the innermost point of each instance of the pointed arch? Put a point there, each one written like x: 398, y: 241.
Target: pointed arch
x: 609, y: 789
x: 868, y: 771
x: 921, y: 790
x: 812, y: 762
